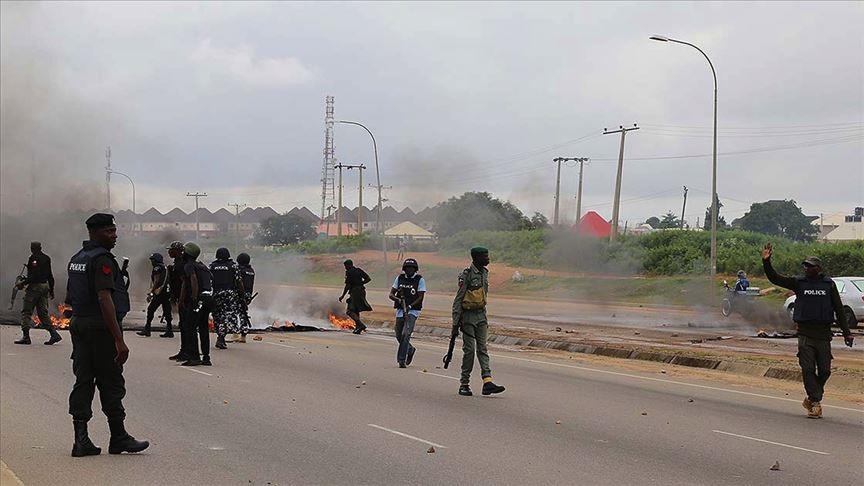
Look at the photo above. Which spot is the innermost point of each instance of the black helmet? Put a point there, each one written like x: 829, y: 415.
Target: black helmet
x: 223, y: 254
x: 156, y: 258
x: 410, y: 262
x: 243, y: 259
x: 741, y: 274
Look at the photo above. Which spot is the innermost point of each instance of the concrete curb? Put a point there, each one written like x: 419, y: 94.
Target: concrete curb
x: 632, y: 353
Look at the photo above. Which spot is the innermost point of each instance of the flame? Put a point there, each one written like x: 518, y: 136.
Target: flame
x: 340, y: 322
x: 58, y: 322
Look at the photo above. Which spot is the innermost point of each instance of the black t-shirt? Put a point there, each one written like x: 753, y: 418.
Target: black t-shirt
x: 356, y: 277
x: 202, y: 273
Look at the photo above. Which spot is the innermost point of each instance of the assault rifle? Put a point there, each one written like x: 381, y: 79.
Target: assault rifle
x: 20, y: 280
x: 245, y: 307
x: 449, y: 356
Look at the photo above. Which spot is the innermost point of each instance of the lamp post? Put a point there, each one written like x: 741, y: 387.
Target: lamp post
x: 135, y: 214
x: 714, y: 208
x: 378, y: 177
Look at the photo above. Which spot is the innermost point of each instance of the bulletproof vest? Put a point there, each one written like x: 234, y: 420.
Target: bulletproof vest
x: 202, y: 273
x: 813, y: 301
x: 407, y: 289
x: 224, y: 274
x: 247, y: 274
x: 157, y: 269
x: 80, y: 285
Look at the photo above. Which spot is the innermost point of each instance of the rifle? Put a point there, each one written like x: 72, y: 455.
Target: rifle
x: 449, y: 356
x: 124, y: 271
x: 245, y: 307
x: 19, y: 281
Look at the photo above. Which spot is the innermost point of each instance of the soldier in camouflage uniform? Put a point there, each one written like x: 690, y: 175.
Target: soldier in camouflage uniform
x: 469, y: 316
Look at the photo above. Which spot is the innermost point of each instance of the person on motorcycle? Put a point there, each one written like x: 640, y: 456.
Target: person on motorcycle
x: 742, y: 284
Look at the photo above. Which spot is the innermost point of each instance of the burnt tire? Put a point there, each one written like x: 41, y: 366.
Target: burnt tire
x: 726, y: 308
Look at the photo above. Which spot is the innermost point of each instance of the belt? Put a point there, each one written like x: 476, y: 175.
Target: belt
x: 207, y: 292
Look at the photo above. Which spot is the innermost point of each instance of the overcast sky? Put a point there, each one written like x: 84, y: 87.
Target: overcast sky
x: 228, y: 99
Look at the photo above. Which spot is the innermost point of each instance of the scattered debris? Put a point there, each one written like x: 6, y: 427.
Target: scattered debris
x: 225, y: 402
x: 363, y: 382
x: 257, y: 338
x: 37, y: 447
x: 690, y: 400
x: 431, y: 450
x: 557, y: 422
x: 358, y: 386
x: 424, y: 370
x: 663, y: 371
x: 569, y: 331
x: 762, y: 333
x: 637, y: 333
x: 613, y: 315
x: 674, y: 334
x: 644, y: 413
x: 557, y: 329
x: 776, y: 466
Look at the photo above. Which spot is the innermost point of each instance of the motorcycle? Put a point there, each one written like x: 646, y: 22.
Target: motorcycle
x: 740, y: 301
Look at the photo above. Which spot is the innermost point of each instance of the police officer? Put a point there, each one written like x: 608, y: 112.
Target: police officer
x: 40, y: 288
x: 196, y: 298
x: 227, y: 291
x: 99, y: 301
x: 355, y: 285
x: 407, y: 294
x: 469, y: 316
x: 175, y: 285
x: 158, y: 296
x: 817, y: 302
x: 247, y: 276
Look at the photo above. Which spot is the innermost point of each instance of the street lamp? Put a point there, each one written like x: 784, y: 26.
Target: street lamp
x: 714, y: 208
x: 378, y: 177
x: 135, y: 215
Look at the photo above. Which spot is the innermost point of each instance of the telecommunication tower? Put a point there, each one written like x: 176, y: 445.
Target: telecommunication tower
x: 328, y: 170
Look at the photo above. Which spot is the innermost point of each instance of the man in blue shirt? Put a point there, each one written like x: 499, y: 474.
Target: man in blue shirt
x: 742, y: 284
x: 407, y: 296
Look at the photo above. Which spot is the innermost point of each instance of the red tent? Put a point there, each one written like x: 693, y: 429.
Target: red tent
x: 592, y: 224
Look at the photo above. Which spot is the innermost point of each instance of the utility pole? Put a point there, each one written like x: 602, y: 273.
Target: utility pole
x: 339, y: 213
x: 360, y: 168
x: 582, y: 161
x: 684, y: 208
x: 557, y: 191
x: 237, y: 223
x: 108, y: 176
x: 617, y: 203
x: 197, y: 195
x: 339, y: 204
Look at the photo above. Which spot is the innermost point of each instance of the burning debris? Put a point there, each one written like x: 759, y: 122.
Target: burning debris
x: 60, y: 322
x: 340, y: 322
x: 764, y: 333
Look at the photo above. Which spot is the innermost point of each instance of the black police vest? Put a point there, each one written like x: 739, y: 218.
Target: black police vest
x: 247, y: 274
x: 80, y: 286
x: 813, y: 301
x: 407, y: 289
x: 154, y: 275
x: 224, y: 274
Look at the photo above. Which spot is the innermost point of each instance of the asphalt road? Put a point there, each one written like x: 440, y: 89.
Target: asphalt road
x: 333, y: 408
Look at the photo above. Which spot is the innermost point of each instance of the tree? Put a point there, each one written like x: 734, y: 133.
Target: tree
x: 721, y: 221
x: 284, y: 229
x: 653, y: 221
x: 539, y: 221
x: 669, y: 221
x: 779, y: 218
x: 478, y: 211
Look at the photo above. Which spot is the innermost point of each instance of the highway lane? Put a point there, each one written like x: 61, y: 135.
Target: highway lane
x: 333, y: 408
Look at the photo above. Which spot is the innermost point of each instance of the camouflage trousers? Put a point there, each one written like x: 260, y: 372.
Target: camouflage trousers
x: 36, y: 298
x: 226, y: 312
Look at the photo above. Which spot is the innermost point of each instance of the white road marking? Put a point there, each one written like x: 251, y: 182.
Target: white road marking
x: 196, y: 371
x: 436, y: 374
x: 407, y: 436
x: 771, y: 442
x: 648, y: 378
x: 278, y: 344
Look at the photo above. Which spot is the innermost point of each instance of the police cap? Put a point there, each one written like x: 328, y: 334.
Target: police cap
x: 99, y: 221
x: 812, y: 261
x: 156, y: 257
x: 479, y: 250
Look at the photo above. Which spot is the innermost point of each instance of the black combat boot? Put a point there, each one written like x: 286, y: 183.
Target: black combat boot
x: 168, y: 332
x: 145, y: 332
x: 121, y: 441
x: 83, y: 445
x: 55, y: 337
x: 465, y: 390
x: 220, y: 343
x: 490, y: 388
x: 25, y: 337
x: 205, y: 360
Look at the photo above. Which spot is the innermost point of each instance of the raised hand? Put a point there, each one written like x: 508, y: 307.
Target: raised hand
x: 767, y: 251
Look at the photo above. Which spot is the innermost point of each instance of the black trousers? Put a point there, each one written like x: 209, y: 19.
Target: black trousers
x: 163, y: 301
x: 198, y: 322
x: 814, y: 357
x: 94, y: 366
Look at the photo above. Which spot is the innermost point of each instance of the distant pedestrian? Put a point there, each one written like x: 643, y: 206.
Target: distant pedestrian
x: 355, y: 285
x: 742, y: 284
x: 196, y: 298
x: 469, y: 316
x: 403, y: 247
x: 407, y: 294
x: 39, y: 284
x: 227, y: 291
x: 158, y: 297
x: 817, y: 306
x: 97, y: 293
x: 247, y: 276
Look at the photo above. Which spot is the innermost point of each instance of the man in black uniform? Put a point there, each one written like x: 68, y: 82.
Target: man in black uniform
x: 227, y: 292
x: 175, y: 285
x: 40, y: 289
x: 817, y: 301
x: 196, y: 298
x: 99, y: 301
x: 355, y: 285
x: 247, y: 276
x: 158, y: 297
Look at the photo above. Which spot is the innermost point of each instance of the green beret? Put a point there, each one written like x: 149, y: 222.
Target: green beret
x: 479, y: 250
